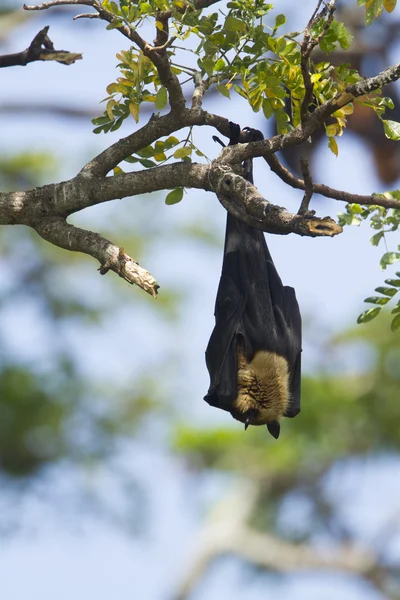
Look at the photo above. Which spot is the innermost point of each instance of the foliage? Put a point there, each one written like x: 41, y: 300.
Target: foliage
x: 245, y: 49
x: 383, y: 221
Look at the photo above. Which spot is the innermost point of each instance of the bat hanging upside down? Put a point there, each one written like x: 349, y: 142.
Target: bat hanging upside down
x: 254, y: 353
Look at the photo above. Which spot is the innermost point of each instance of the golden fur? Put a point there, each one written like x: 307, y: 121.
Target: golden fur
x: 263, y: 387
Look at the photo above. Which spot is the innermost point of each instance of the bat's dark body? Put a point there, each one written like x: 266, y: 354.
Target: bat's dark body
x: 254, y: 352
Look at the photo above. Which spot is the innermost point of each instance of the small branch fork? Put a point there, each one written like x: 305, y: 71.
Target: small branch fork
x: 47, y: 208
x: 41, y: 48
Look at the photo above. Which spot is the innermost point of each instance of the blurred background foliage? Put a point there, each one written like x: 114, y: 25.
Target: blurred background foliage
x: 59, y: 414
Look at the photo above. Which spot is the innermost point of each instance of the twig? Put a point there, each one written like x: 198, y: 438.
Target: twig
x: 160, y: 59
x: 86, y: 16
x: 308, y: 186
x: 200, y: 87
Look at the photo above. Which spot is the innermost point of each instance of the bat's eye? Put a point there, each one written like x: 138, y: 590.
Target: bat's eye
x: 250, y: 416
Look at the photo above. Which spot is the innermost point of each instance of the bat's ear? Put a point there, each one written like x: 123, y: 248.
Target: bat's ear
x: 274, y: 428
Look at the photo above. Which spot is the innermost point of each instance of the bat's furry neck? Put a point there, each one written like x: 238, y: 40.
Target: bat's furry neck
x: 263, y: 387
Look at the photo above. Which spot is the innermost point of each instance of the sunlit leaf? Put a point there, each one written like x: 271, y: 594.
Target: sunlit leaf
x: 392, y: 129
x: 333, y: 146
x: 134, y: 110
x: 223, y: 90
x: 389, y: 5
x: 183, y: 152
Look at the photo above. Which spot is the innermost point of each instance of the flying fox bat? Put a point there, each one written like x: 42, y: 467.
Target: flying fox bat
x: 254, y: 353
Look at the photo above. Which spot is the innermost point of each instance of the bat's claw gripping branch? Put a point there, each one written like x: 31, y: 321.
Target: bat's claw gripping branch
x: 322, y: 227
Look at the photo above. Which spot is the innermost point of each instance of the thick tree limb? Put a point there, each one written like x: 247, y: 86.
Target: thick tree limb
x: 243, y: 200
x: 236, y: 194
x: 41, y: 48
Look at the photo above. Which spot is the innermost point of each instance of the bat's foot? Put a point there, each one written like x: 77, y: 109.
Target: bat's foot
x: 323, y: 227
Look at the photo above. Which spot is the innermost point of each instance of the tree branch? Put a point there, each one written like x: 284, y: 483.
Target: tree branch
x: 319, y: 188
x: 236, y: 194
x: 41, y: 48
x: 158, y: 57
x: 60, y: 233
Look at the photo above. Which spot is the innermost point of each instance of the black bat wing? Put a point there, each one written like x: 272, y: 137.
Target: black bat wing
x: 254, y: 306
x: 221, y: 350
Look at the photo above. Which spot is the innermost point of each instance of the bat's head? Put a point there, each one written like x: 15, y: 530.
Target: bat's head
x: 254, y: 416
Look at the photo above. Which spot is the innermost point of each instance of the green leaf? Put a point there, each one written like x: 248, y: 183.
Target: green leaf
x: 220, y: 65
x: 377, y: 238
x: 393, y: 282
x: 387, y: 291
x: 114, y: 24
x: 145, y: 162
x: 240, y: 91
x: 100, y: 120
x: 344, y: 36
x: 380, y: 300
x: 368, y: 315
x: 146, y: 7
x: 146, y: 152
x: 223, y: 90
x: 280, y: 20
x: 117, y: 124
x: 392, y: 129
x: 395, y: 323
x: 396, y: 309
x: 374, y: 10
x: 113, y: 6
x: 175, y: 196
x: 161, y: 98
x: 389, y: 258
x: 207, y: 65
x: 232, y: 24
